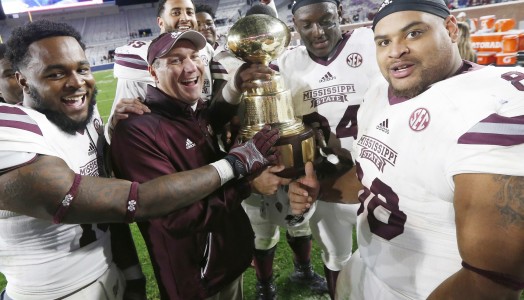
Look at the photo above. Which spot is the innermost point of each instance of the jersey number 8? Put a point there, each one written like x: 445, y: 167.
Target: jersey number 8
x: 384, y: 215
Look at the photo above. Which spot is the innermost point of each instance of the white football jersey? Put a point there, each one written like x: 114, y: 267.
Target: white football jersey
x: 329, y: 92
x: 39, y: 259
x: 407, y: 153
x: 229, y: 62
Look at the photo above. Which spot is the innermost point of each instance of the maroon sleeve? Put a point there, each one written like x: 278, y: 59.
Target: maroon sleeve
x: 139, y: 153
x: 205, y: 214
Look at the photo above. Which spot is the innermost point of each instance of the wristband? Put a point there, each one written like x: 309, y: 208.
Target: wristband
x: 68, y: 199
x: 132, y: 203
x: 224, y: 170
x: 230, y: 93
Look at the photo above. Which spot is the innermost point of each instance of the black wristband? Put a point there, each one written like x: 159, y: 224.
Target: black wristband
x: 236, y: 165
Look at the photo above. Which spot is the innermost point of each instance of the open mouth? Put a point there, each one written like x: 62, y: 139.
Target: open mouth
x: 400, y: 68
x: 183, y: 27
x: 189, y: 81
x: 75, y: 101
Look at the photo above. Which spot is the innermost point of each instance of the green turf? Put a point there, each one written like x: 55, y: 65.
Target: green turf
x: 106, y: 86
x: 283, y: 266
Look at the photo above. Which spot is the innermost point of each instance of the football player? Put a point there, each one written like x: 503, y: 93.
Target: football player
x: 327, y: 77
x: 438, y: 153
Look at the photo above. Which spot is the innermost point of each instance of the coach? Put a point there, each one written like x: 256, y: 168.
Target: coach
x: 199, y: 252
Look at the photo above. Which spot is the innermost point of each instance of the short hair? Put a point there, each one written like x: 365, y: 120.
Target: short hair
x: 435, y: 7
x: 261, y: 9
x: 22, y: 37
x: 162, y: 6
x: 205, y: 8
x: 299, y: 3
x: 3, y: 49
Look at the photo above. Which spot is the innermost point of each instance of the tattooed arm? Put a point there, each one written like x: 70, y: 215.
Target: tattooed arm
x: 489, y: 212
x: 36, y: 189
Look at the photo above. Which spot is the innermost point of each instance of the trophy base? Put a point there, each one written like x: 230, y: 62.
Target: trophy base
x: 295, y: 150
x: 296, y: 146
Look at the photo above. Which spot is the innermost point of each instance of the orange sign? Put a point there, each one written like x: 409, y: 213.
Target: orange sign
x: 496, y: 42
x: 510, y: 41
x: 486, y: 58
x: 506, y: 59
x: 487, y: 42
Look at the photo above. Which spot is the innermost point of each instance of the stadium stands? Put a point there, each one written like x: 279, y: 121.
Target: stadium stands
x: 103, y: 28
x: 108, y: 26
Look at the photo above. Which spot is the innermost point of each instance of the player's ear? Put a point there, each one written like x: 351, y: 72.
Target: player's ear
x: 160, y: 23
x: 451, y: 26
x: 152, y: 71
x: 22, y: 81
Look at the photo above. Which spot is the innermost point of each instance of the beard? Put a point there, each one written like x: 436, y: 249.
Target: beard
x: 410, y: 92
x: 428, y: 75
x: 60, y: 119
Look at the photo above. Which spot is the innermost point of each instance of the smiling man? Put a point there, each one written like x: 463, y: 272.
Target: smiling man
x: 42, y: 79
x: 199, y: 252
x: 131, y: 59
x: 56, y: 80
x: 438, y: 153
x: 206, y: 23
x: 131, y: 66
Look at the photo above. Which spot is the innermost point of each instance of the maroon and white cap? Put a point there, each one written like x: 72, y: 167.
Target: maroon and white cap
x: 166, y: 41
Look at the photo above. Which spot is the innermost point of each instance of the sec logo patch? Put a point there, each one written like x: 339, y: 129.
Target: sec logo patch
x: 354, y: 60
x: 419, y: 119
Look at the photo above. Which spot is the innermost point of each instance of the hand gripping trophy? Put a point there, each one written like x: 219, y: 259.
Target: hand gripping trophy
x: 261, y: 39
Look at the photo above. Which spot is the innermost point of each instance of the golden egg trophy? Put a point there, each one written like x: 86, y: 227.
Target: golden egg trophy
x: 261, y: 39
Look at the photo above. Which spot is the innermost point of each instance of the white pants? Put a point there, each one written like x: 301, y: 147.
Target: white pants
x: 332, y: 227
x: 110, y: 286
x: 357, y: 281
x: 262, y: 215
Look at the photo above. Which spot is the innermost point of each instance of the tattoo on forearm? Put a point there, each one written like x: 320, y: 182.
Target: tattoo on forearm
x: 193, y: 185
x: 510, y: 200
x: 11, y: 190
x: 35, y: 187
